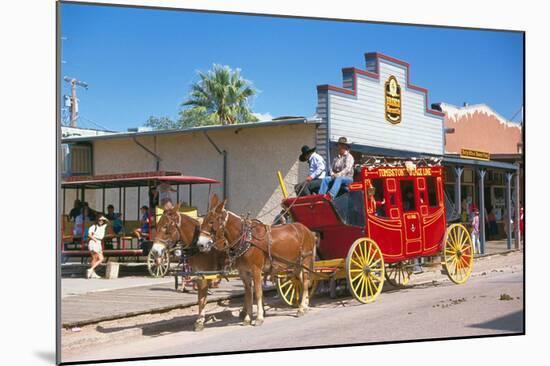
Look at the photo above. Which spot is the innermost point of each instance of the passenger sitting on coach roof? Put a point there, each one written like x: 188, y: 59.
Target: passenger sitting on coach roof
x: 341, y: 170
x: 317, y: 171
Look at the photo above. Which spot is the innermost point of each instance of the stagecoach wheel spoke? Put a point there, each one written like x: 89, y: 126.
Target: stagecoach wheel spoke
x: 365, y: 270
x: 289, y: 288
x: 158, y: 265
x: 398, y: 274
x: 457, y: 254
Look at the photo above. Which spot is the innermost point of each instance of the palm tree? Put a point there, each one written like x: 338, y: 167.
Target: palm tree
x: 224, y: 95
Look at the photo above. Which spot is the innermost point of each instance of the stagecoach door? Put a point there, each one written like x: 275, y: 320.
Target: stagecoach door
x: 411, y: 217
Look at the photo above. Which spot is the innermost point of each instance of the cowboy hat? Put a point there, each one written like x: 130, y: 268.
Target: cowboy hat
x: 344, y: 141
x: 305, y: 150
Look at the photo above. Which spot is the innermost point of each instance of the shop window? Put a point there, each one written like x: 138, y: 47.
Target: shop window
x: 468, y: 176
x: 77, y: 159
x: 450, y: 175
x: 407, y: 195
x: 432, y: 191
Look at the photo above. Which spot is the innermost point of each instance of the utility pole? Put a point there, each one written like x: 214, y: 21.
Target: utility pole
x: 74, y: 101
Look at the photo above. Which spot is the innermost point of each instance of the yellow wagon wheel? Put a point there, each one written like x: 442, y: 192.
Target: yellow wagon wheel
x: 158, y: 263
x: 398, y: 274
x: 289, y: 288
x: 365, y: 270
x: 458, y: 253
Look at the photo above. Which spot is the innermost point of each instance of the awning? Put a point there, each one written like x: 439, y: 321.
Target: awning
x: 453, y: 159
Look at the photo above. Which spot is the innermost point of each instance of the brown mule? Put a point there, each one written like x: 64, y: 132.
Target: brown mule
x: 256, y: 248
x: 175, y: 227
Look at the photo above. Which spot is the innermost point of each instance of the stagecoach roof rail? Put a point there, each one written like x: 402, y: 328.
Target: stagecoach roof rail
x: 374, y: 161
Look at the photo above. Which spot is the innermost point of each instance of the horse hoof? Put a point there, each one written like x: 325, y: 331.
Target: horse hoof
x: 300, y: 313
x: 242, y: 314
x: 199, y: 327
x: 258, y: 322
x: 247, y: 322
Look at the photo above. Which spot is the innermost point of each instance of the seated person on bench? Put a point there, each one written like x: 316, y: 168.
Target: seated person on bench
x: 143, y: 231
x: 341, y: 170
x: 317, y: 171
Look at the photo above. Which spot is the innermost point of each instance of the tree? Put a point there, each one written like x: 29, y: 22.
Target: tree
x: 196, y: 116
x: 221, y: 95
x: 161, y: 123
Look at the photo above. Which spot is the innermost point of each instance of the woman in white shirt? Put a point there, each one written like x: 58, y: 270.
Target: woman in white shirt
x: 96, y: 234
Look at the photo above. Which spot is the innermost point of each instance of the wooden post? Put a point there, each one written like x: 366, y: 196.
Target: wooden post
x: 111, y: 270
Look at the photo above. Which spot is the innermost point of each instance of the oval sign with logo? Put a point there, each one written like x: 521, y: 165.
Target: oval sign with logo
x: 393, y: 100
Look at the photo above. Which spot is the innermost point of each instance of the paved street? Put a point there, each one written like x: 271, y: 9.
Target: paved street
x: 490, y: 303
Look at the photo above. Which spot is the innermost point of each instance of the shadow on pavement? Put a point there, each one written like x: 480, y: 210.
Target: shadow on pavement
x: 512, y: 323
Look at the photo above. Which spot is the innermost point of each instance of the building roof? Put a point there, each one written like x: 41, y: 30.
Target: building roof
x: 124, y: 135
x: 139, y: 179
x: 456, y: 112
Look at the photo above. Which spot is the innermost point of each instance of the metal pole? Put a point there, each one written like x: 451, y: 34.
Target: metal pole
x: 518, y: 236
x: 458, y: 189
x: 190, y: 195
x: 120, y: 200
x: 64, y: 199
x: 103, y: 200
x: 177, y: 193
x: 124, y: 207
x: 138, y: 201
x: 482, y: 173
x: 508, y: 217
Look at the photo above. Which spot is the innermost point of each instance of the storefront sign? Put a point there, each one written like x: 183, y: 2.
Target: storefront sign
x: 474, y: 154
x: 393, y: 101
x: 402, y: 172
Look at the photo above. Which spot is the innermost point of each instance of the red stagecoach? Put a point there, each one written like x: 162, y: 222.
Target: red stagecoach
x: 392, y: 214
x: 120, y: 186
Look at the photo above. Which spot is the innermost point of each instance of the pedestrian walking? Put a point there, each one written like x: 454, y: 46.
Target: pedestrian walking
x: 475, y: 232
x: 96, y: 233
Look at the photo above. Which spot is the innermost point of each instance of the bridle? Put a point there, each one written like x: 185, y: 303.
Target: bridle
x: 219, y: 234
x: 178, y: 226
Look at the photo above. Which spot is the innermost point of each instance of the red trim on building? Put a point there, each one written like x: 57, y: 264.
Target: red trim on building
x: 376, y: 75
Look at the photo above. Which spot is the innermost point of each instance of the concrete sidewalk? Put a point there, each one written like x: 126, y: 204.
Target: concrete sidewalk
x: 108, y: 304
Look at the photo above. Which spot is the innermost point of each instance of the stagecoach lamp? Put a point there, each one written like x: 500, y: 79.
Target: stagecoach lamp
x: 177, y: 253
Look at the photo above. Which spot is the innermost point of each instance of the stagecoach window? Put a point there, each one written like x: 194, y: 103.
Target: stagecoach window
x: 378, y: 185
x: 407, y: 195
x: 351, y: 208
x: 432, y: 192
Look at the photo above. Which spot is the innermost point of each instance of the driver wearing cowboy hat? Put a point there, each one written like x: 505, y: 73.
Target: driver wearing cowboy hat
x: 317, y: 171
x: 341, y: 170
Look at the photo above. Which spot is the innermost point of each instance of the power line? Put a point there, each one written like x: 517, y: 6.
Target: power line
x: 514, y: 116
x: 95, y: 123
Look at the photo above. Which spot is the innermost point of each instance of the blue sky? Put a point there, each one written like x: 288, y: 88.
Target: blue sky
x: 141, y: 62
